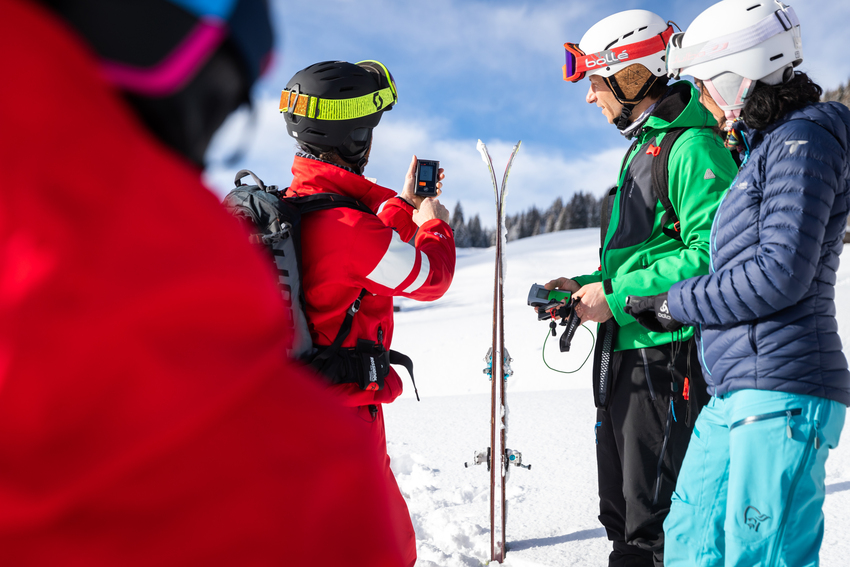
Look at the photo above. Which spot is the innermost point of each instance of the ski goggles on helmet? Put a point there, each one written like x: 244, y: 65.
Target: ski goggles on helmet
x: 679, y: 58
x: 579, y: 63
x: 384, y: 98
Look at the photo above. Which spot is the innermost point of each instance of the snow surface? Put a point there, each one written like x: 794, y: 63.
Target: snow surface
x: 552, y: 508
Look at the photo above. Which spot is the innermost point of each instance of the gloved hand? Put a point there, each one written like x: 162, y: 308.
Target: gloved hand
x: 652, y: 313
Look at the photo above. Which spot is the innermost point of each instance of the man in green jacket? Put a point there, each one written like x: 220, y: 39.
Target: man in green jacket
x: 647, y: 385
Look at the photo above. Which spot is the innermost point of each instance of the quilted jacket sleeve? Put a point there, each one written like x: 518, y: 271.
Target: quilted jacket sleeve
x: 801, y: 174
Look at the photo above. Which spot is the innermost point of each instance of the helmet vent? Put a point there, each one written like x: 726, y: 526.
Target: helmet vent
x: 753, y: 7
x: 325, y: 68
x: 345, y: 89
x: 775, y: 57
x: 313, y: 132
x: 628, y: 34
x: 641, y: 29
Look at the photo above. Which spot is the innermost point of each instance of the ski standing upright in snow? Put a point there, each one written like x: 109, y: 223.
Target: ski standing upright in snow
x: 499, y: 374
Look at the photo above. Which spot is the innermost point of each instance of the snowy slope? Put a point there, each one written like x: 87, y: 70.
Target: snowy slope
x: 552, y: 508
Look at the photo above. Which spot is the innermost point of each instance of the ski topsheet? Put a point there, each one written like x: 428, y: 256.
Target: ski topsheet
x: 498, y: 456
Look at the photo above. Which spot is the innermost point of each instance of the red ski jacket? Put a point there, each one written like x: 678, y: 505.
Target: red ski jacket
x: 346, y: 250
x: 147, y: 414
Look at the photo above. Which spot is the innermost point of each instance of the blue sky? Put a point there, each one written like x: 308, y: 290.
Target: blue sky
x: 469, y: 69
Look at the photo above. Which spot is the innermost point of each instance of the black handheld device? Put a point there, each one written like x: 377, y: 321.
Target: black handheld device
x: 427, y: 172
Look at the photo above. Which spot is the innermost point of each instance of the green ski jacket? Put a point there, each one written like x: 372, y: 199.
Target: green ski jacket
x: 637, y: 258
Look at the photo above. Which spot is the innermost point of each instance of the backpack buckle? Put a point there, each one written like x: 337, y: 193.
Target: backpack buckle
x: 355, y: 307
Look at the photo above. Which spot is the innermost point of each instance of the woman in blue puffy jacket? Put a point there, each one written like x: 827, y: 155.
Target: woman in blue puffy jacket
x: 751, y: 488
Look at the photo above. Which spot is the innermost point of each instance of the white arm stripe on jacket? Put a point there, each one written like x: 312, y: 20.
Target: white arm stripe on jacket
x: 424, y: 270
x: 397, y: 263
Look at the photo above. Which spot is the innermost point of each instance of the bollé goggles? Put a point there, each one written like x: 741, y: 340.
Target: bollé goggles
x: 579, y: 63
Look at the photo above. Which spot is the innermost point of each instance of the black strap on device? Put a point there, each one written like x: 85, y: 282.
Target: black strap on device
x: 568, y: 316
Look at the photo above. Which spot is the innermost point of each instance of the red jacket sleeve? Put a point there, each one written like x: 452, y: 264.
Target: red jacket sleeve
x: 389, y: 266
x: 397, y: 214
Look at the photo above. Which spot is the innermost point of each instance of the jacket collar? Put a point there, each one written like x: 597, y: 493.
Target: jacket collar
x: 679, y: 108
x: 313, y: 176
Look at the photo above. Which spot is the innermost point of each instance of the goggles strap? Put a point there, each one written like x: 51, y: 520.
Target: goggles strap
x: 623, y: 53
x: 386, y: 76
x: 329, y: 109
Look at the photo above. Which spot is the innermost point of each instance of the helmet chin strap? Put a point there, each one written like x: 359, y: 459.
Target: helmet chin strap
x: 624, y: 119
x: 629, y: 94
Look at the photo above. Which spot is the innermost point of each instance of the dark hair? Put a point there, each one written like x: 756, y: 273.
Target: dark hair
x: 768, y: 103
x: 658, y: 88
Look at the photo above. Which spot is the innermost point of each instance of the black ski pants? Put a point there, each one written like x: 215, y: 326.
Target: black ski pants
x: 641, y: 437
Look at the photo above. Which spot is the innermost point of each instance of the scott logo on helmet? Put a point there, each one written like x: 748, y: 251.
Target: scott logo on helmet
x: 604, y: 58
x: 378, y: 101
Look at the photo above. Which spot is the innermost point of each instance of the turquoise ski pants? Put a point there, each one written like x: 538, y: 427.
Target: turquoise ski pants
x: 751, y: 488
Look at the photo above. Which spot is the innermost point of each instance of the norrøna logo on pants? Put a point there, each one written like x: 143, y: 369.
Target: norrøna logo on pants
x: 754, y: 518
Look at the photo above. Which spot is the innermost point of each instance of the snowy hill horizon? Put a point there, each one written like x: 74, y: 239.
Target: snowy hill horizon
x: 552, y: 509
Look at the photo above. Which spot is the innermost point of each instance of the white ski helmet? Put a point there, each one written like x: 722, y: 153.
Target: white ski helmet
x: 612, y: 48
x: 734, y: 43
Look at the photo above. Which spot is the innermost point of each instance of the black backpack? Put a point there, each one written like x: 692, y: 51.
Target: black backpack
x: 274, y: 221
x: 660, y: 185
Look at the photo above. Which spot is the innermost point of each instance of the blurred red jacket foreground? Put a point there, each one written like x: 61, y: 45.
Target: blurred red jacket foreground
x: 147, y: 416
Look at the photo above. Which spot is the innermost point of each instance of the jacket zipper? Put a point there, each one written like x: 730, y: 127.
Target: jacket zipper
x: 712, y: 245
x: 625, y: 167
x: 702, y: 353
x: 646, y: 373
x: 663, y: 451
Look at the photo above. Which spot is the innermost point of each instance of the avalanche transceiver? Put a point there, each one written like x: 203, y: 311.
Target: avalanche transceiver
x: 546, y: 300
x: 427, y: 172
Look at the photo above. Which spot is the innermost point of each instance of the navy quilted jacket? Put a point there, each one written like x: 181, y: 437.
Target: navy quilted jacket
x: 765, y: 313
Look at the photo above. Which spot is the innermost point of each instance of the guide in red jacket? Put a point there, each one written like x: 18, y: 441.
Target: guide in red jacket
x: 352, y: 259
x: 147, y: 413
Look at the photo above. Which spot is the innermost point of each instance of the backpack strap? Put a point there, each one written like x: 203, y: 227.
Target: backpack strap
x: 344, y: 330
x: 661, y: 182
x: 404, y: 360
x: 605, y: 216
x: 322, y: 201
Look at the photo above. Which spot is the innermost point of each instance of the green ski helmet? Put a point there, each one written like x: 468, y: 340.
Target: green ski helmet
x: 334, y: 105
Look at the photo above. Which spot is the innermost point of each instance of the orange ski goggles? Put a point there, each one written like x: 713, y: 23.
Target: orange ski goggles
x: 579, y: 63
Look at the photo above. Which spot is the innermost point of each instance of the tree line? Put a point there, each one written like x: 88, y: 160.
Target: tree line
x: 582, y: 211
x: 841, y: 94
